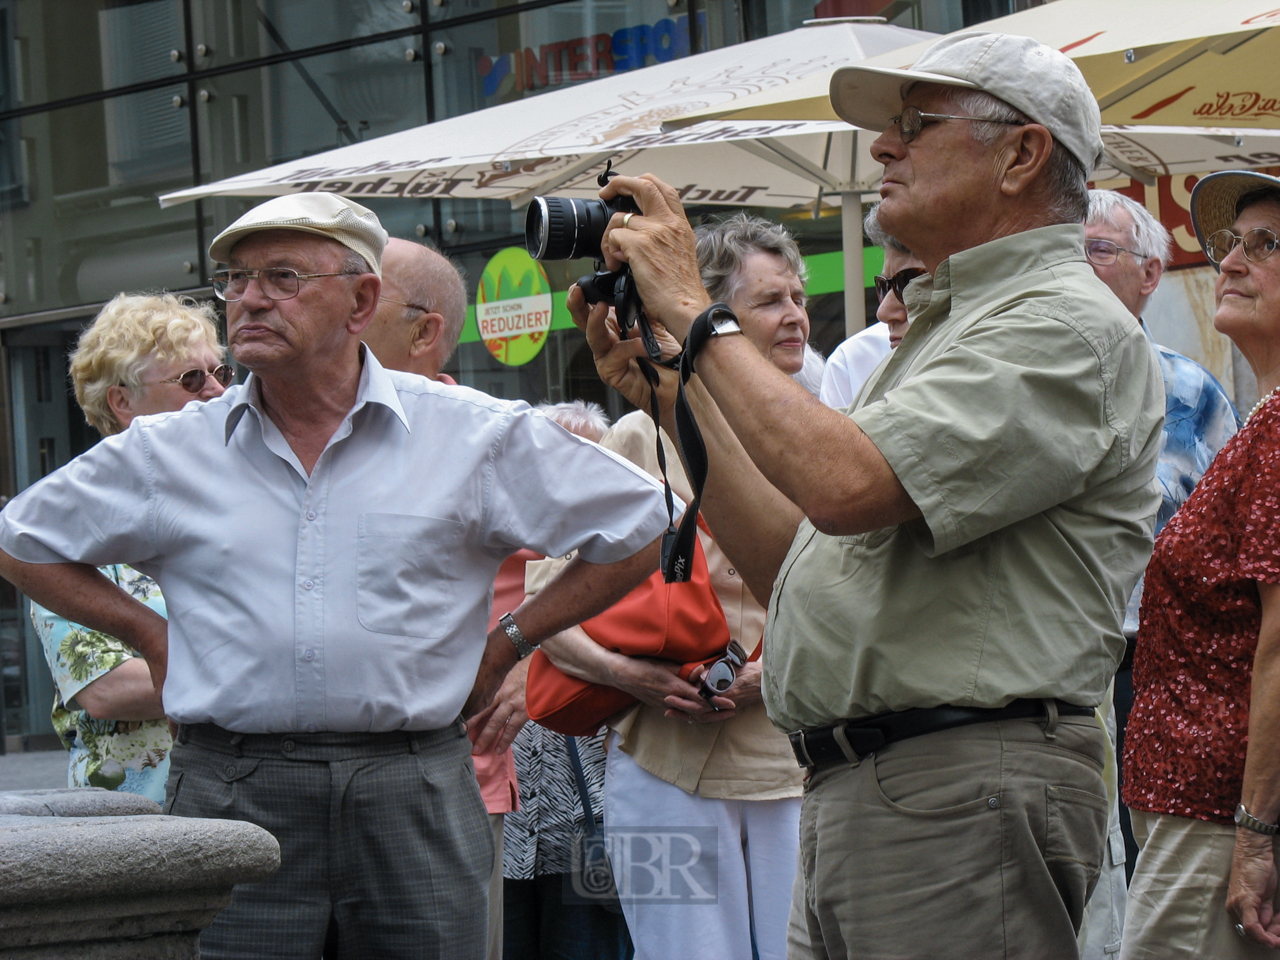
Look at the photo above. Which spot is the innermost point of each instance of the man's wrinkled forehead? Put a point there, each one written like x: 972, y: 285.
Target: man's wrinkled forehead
x: 285, y: 248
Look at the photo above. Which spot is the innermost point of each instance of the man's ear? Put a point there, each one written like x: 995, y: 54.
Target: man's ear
x: 366, y: 291
x: 1152, y: 271
x: 425, y: 334
x: 1027, y: 155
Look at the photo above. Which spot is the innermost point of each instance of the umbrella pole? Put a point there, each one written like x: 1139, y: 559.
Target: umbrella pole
x: 855, y: 302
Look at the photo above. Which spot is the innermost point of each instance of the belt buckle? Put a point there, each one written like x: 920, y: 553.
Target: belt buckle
x: 801, y: 749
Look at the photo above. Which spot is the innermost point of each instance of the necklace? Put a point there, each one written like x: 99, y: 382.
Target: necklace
x: 1258, y: 406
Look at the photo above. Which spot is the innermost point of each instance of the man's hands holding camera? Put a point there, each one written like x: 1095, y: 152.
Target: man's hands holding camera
x: 658, y: 245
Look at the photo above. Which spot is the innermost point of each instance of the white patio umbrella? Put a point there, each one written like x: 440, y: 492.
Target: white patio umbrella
x: 1185, y: 86
x: 558, y: 142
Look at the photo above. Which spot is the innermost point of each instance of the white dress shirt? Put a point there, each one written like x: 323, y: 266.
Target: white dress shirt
x: 355, y: 599
x: 851, y: 363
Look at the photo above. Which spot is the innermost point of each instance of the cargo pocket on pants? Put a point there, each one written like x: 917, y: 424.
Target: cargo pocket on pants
x: 1075, y: 843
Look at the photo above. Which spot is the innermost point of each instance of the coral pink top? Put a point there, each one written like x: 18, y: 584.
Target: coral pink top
x: 1184, y: 747
x: 496, y: 772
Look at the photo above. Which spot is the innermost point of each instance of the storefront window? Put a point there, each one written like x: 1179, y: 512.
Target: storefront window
x: 75, y: 47
x: 232, y: 31
x: 87, y: 224
x: 495, y: 61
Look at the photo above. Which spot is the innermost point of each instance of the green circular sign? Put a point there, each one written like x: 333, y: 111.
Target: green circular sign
x: 513, y: 306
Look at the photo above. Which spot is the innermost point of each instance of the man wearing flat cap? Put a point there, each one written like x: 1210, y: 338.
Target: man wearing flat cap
x: 948, y: 562
x: 327, y: 535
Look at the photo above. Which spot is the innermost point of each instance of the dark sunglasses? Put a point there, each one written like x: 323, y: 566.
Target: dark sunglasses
x: 897, y: 283
x: 193, y: 380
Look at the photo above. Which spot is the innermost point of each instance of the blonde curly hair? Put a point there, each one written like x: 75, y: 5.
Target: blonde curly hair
x: 128, y: 332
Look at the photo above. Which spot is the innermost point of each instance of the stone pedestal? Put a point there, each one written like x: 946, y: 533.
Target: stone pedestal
x: 95, y: 874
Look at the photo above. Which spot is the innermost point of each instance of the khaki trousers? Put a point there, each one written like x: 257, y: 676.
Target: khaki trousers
x: 1178, y: 896
x: 973, y: 843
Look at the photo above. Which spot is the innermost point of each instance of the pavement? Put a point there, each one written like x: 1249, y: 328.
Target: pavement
x: 37, y: 770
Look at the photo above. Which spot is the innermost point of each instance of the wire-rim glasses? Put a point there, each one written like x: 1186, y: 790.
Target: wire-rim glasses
x: 1103, y: 253
x: 276, y: 283
x: 405, y: 303
x: 912, y: 120
x: 1259, y: 243
x: 897, y: 283
x: 193, y: 380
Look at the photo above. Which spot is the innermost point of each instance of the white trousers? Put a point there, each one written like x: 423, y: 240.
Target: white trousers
x: 721, y: 904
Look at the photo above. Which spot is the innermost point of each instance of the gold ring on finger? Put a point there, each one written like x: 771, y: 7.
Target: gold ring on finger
x: 626, y: 218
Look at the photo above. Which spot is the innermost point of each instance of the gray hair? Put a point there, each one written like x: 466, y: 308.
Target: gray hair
x: 876, y: 234
x: 723, y: 246
x: 587, y: 420
x: 1148, y: 237
x: 1068, y: 180
x: 437, y: 283
x: 353, y: 262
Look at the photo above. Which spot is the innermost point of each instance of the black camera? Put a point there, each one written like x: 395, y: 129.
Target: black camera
x: 561, y: 228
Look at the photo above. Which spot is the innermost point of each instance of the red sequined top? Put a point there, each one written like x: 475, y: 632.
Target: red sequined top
x: 1185, y: 743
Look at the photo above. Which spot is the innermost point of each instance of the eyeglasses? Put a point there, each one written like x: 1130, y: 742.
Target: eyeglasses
x: 1259, y: 243
x: 1103, y: 253
x: 402, y: 303
x: 276, y: 283
x: 193, y: 380
x: 897, y: 283
x: 911, y: 121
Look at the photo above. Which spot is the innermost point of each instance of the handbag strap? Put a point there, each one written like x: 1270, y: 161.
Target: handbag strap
x: 580, y: 778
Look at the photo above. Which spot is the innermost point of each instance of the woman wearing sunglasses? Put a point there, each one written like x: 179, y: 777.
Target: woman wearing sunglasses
x: 141, y: 355
x: 1202, y: 747
x: 853, y: 361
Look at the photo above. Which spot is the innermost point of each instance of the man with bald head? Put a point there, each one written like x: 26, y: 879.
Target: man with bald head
x: 326, y: 535
x: 421, y: 310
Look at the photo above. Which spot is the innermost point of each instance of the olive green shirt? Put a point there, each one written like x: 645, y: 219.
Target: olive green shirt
x: 1022, y: 412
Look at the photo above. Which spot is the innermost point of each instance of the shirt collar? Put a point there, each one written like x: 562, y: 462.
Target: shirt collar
x: 375, y: 386
x: 970, y: 274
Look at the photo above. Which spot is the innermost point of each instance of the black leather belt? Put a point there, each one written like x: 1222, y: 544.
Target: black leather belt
x: 851, y: 740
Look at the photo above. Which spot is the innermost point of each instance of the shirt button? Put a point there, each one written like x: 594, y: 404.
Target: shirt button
x: 308, y: 584
x: 309, y: 655
x: 231, y: 770
x: 733, y: 572
x: 288, y: 746
x: 311, y: 514
x: 311, y: 728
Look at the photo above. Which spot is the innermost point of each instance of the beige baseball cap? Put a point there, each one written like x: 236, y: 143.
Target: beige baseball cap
x: 1038, y: 80
x: 1215, y: 197
x: 324, y: 214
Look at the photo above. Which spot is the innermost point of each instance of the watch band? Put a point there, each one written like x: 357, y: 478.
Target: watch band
x: 715, y: 321
x: 523, y: 647
x: 1247, y: 820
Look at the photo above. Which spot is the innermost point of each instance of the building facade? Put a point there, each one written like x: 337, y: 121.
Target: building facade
x: 106, y: 104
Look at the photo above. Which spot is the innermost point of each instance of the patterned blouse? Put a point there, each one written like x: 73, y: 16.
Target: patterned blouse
x: 540, y: 837
x: 1184, y: 747
x: 130, y: 756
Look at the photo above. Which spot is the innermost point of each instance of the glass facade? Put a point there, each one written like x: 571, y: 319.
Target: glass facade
x: 105, y: 104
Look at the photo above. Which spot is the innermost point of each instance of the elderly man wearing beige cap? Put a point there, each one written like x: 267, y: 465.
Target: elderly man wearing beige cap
x: 327, y: 535
x: 949, y: 560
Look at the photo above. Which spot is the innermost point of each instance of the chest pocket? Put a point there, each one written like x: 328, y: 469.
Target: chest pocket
x: 405, y: 584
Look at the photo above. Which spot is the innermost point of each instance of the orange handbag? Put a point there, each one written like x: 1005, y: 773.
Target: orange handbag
x: 681, y: 622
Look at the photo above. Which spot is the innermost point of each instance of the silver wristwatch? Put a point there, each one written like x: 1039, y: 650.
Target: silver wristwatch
x: 723, y: 322
x: 1247, y: 820
x: 523, y: 647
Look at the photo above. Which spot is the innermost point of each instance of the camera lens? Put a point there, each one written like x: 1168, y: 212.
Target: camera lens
x: 558, y: 228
